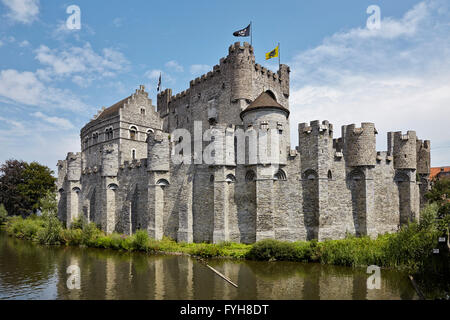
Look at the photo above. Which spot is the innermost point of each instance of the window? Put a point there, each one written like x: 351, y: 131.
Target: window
x: 109, y: 134
x: 133, y: 154
x: 133, y: 133
x: 230, y: 178
x: 330, y: 175
x: 95, y: 138
x: 250, y: 176
x: 143, y: 111
x: 280, y: 175
x: 310, y: 175
x: 163, y: 183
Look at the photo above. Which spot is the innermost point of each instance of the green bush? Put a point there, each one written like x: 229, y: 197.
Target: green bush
x: 72, y: 237
x: 3, y: 214
x: 205, y: 250
x: 90, y: 234
x: 141, y: 241
x: 51, y: 231
x: 116, y: 241
x: 352, y: 251
x: 78, y: 223
x: 272, y: 250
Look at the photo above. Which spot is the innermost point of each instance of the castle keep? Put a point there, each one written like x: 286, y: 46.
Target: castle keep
x: 126, y: 179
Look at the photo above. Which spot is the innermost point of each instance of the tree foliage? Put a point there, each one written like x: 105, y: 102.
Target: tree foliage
x: 23, y: 184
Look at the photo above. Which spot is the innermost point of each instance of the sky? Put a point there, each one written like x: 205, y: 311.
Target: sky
x: 54, y: 79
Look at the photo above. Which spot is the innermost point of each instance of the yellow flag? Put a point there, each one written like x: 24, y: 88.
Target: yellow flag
x: 272, y: 54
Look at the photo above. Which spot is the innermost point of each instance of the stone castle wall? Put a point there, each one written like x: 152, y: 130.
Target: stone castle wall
x: 324, y: 189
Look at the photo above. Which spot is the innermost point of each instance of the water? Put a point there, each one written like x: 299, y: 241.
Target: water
x: 30, y: 271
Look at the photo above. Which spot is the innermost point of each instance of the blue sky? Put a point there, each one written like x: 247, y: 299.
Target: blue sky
x: 53, y: 80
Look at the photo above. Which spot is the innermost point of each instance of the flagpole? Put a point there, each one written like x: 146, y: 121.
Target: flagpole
x: 279, y: 57
x: 251, y: 33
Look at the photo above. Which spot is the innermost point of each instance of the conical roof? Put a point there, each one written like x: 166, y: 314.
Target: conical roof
x: 264, y: 101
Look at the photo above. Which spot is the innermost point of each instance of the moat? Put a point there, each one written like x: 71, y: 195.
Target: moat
x: 31, y: 271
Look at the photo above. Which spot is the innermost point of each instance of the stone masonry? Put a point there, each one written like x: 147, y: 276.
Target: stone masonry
x: 125, y: 178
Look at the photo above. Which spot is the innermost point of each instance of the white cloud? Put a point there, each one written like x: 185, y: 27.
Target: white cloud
x: 397, y: 77
x: 83, y: 64
x: 56, y: 121
x: 23, y: 11
x: 61, y: 32
x: 24, y: 43
x: 25, y: 88
x: 16, y: 125
x: 199, y: 69
x: 174, y: 66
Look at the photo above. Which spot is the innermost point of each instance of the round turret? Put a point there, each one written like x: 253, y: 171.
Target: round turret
x: 405, y: 154
x: 242, y: 61
x: 360, y: 145
x: 270, y: 121
x: 73, y: 166
x: 423, y: 157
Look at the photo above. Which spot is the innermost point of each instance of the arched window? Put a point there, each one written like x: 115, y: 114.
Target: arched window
x: 143, y: 111
x: 109, y: 134
x: 310, y: 175
x: 356, y: 175
x: 211, y: 178
x: 95, y: 137
x: 250, y: 176
x: 280, y: 175
x: 113, y: 186
x: 133, y: 133
x: 330, y: 175
x: 230, y: 178
x: 163, y: 183
x: 76, y: 190
x: 133, y: 154
x: 271, y: 94
x: 61, y: 191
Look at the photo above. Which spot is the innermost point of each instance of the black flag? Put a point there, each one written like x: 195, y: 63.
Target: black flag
x: 243, y: 33
x: 159, y: 83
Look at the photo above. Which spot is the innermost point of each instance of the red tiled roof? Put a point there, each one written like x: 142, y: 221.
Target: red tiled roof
x: 435, y: 171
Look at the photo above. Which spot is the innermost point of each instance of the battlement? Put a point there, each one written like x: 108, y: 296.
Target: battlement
x: 71, y: 156
x: 359, y: 144
x: 403, y: 148
x: 423, y: 149
x: 315, y: 127
x: 240, y: 71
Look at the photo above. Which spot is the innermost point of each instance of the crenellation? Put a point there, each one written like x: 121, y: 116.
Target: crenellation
x: 126, y: 177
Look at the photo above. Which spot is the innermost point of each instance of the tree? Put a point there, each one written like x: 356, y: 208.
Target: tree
x: 440, y: 192
x: 22, y: 185
x: 11, y: 176
x: 37, y: 182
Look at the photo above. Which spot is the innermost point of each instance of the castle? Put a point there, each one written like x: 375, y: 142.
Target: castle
x: 126, y: 177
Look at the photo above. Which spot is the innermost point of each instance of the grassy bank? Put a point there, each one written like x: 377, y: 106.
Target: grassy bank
x: 48, y: 230
x: 410, y: 249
